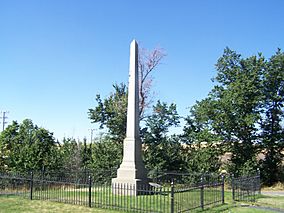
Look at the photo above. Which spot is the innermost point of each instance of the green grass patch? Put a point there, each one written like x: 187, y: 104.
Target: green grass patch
x: 271, y: 201
x: 245, y: 210
x: 103, y: 199
x: 274, y: 202
x: 15, y: 204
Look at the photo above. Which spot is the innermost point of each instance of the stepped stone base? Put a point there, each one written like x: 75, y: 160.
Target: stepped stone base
x: 130, y: 187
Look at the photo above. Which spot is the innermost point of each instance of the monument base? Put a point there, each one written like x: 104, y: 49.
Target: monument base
x: 132, y: 175
x: 131, y: 187
x: 131, y: 179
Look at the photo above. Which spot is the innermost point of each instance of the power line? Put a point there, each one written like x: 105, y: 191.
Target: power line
x: 4, y: 118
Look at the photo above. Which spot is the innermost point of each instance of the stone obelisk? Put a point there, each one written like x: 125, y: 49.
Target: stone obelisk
x: 132, y: 170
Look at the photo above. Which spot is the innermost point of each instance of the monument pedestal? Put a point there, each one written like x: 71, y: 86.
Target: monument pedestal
x: 131, y: 187
x: 132, y: 174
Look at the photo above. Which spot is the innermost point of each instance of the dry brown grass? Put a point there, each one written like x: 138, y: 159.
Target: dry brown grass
x: 276, y: 187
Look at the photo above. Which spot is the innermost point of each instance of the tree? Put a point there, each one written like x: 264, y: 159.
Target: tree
x: 165, y: 156
x: 161, y: 152
x: 232, y: 111
x: 272, y: 129
x: 202, y: 159
x: 112, y: 111
x: 245, y: 111
x: 7, y: 140
x: 26, y: 147
x: 198, y: 127
x: 106, y: 157
x: 71, y: 153
x: 203, y: 148
x: 147, y: 62
x: 239, y: 100
x: 158, y: 124
x: 86, y: 155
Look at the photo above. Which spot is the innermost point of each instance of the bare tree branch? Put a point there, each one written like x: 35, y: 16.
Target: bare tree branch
x: 147, y: 62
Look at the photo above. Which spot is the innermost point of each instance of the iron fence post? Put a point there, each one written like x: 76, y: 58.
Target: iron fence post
x: 223, y: 189
x: 202, y: 193
x: 259, y: 184
x: 90, y: 191
x: 31, y: 185
x: 172, y: 196
x: 233, y: 188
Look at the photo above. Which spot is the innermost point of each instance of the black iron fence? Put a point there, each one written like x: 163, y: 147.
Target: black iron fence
x: 203, y: 194
x: 171, y: 192
x: 80, y: 189
x: 193, y: 190
x: 15, y: 184
x: 246, y: 188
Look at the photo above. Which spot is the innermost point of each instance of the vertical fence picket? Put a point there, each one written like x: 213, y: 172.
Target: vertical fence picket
x: 233, y: 187
x: 223, y: 189
x: 90, y: 192
x: 31, y: 185
x: 258, y: 182
x: 172, y: 197
x: 114, y: 192
x: 202, y: 194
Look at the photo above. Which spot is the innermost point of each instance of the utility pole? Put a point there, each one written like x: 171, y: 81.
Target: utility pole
x: 91, y: 144
x: 92, y: 130
x: 4, y: 118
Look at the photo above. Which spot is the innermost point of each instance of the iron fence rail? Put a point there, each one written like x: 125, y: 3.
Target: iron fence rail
x: 14, y: 184
x: 199, y: 196
x: 246, y: 188
x: 174, y: 197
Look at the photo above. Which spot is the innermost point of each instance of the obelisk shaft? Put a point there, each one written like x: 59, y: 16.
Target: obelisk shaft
x: 132, y: 169
x: 132, y: 130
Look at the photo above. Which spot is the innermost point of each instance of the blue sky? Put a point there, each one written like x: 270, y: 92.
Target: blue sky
x: 56, y: 55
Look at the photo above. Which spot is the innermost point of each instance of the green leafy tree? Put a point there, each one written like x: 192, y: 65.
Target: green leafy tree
x: 162, y: 152
x: 26, y: 147
x: 231, y: 113
x: 238, y: 97
x: 199, y: 124
x: 203, y: 148
x: 43, y: 150
x: 202, y: 158
x: 8, y: 140
x: 111, y: 112
x: 272, y: 128
x: 106, y: 157
x: 71, y: 153
x: 159, y: 123
x: 86, y: 155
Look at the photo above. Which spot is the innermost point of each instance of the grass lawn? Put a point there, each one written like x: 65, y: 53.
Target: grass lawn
x: 276, y: 202
x: 160, y: 202
x: 271, y: 201
x: 237, y: 210
x: 14, y: 204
